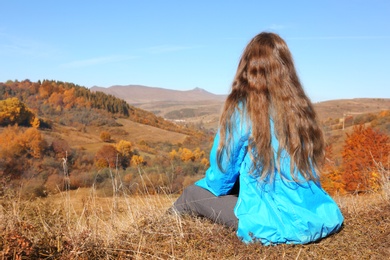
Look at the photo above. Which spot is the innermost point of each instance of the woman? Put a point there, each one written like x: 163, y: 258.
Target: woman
x: 268, y: 147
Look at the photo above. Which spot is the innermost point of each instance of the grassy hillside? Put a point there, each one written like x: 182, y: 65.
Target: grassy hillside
x: 351, y: 107
x: 126, y: 129
x: 79, y: 224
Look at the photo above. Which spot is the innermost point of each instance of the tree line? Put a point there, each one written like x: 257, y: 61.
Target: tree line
x: 52, y: 99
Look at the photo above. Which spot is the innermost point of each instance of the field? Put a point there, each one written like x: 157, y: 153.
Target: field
x: 85, y: 224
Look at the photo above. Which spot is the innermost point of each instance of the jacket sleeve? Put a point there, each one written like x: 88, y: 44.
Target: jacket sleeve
x: 221, y: 182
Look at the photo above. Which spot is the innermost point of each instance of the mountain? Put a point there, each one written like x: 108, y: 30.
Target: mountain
x: 137, y: 94
x: 200, y: 106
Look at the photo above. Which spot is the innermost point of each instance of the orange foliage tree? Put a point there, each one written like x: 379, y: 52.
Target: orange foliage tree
x: 15, y: 143
x: 17, y: 148
x: 112, y: 156
x: 60, y: 148
x: 330, y: 176
x: 106, y: 157
x: 363, y: 151
x: 32, y: 142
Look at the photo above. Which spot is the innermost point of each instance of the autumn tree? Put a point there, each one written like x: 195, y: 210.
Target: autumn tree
x: 364, y: 149
x: 14, y: 142
x: 137, y: 160
x: 9, y: 143
x: 330, y: 176
x: 60, y: 148
x: 105, y: 136
x: 205, y: 162
x: 32, y: 142
x: 106, y: 156
x: 198, y: 154
x: 125, y: 151
x: 173, y: 154
x: 186, y: 155
x: 17, y: 147
x: 13, y: 111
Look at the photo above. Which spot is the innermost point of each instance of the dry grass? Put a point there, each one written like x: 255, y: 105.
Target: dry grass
x: 139, y: 132
x: 82, y: 224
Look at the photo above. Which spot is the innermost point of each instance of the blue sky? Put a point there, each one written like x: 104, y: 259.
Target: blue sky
x: 341, y: 48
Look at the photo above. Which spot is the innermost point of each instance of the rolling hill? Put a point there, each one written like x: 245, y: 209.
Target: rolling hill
x: 201, y: 107
x: 138, y: 95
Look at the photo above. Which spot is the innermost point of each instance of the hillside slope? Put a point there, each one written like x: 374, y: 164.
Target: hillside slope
x: 200, y: 106
x: 348, y: 107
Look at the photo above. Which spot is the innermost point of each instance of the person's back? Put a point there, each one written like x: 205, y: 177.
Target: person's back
x: 269, y: 143
x: 273, y: 210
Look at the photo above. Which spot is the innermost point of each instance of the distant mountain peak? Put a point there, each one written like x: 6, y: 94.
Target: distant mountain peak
x: 136, y: 94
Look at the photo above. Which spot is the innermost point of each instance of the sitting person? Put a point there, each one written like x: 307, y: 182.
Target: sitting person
x: 268, y: 147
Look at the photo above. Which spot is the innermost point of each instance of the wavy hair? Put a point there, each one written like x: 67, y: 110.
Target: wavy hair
x: 267, y: 84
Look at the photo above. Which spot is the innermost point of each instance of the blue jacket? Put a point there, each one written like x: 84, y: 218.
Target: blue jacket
x: 282, y: 211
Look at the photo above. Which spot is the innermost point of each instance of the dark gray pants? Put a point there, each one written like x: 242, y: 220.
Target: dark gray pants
x: 200, y: 202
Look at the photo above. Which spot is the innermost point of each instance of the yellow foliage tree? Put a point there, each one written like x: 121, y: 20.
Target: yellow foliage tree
x: 186, y: 155
x: 125, y: 151
x: 35, y: 122
x: 173, y: 154
x: 198, y: 154
x: 205, y: 162
x: 105, y: 136
x: 137, y: 160
x: 125, y: 148
x: 13, y: 111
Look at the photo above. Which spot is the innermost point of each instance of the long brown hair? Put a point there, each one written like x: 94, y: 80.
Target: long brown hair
x: 267, y: 85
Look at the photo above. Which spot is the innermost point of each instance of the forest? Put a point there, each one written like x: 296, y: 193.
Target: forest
x: 31, y: 110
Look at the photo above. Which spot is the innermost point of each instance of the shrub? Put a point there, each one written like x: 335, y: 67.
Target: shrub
x: 54, y: 183
x: 364, y: 148
x: 105, y: 136
x: 106, y: 156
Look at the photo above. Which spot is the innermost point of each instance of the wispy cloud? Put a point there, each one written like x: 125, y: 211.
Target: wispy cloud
x: 15, y: 46
x: 96, y: 61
